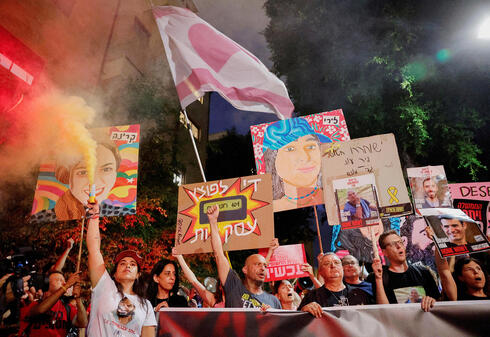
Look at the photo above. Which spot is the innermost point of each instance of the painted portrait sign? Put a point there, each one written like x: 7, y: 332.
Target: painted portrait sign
x: 429, y: 187
x: 473, y: 199
x: 455, y: 233
x: 290, y: 151
x: 376, y: 155
x: 245, y: 218
x: 62, y: 190
x: 285, y: 263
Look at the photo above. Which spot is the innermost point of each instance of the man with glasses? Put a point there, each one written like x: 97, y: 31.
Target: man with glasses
x: 352, y: 273
x: 400, y: 278
x: 334, y: 292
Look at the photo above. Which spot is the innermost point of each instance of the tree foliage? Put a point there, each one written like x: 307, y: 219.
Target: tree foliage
x: 392, y: 66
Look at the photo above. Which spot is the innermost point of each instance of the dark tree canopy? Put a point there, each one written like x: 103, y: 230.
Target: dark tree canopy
x: 413, y: 68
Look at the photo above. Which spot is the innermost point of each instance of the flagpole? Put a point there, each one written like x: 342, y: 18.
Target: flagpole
x: 194, y: 144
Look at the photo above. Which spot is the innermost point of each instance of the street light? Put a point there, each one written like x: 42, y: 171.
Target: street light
x: 484, y: 31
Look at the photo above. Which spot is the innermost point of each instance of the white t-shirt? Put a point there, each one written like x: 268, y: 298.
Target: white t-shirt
x: 113, y: 315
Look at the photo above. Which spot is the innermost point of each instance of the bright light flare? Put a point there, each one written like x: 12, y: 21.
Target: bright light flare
x: 484, y: 31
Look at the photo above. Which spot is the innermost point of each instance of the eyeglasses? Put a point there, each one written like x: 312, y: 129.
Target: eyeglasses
x: 349, y: 263
x: 394, y: 243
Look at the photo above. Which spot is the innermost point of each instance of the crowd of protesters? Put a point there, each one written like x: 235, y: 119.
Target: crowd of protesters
x: 124, y: 303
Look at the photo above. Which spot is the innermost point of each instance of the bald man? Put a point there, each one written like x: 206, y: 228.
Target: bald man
x: 238, y: 294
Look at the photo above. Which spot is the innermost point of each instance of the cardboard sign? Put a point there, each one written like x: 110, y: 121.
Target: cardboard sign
x: 245, y: 219
x: 429, y: 187
x: 62, y: 191
x: 455, y: 233
x: 290, y: 151
x: 473, y: 199
x: 285, y: 263
x: 377, y: 155
x: 356, y: 201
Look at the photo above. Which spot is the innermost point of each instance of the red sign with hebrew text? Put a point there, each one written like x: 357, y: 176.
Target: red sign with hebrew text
x: 285, y: 263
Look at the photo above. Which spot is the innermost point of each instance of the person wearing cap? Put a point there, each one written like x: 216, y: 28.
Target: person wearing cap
x: 292, y: 156
x: 238, y: 294
x: 118, y: 306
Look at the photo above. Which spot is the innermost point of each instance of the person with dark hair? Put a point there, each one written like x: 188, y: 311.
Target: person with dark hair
x: 250, y: 292
x: 292, y: 156
x: 164, y: 285
x: 400, y: 277
x: 471, y: 280
x: 333, y: 292
x: 284, y: 292
x: 211, y: 300
x: 52, y: 316
x: 118, y: 305
x: 430, y: 189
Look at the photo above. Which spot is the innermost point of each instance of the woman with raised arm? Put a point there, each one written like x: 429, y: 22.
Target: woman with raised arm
x: 211, y: 300
x: 118, y: 306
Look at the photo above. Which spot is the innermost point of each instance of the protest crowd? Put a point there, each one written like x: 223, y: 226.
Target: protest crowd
x: 121, y: 297
x: 388, y: 246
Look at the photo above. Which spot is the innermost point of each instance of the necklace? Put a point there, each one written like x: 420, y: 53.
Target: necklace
x: 302, y: 197
x: 342, y: 301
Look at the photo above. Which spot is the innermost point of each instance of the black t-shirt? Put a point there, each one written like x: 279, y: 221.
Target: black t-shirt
x: 326, y: 298
x: 399, y: 285
x: 468, y: 297
x: 174, y: 301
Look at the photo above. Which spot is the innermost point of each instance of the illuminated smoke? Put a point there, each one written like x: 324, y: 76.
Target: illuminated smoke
x: 52, y: 126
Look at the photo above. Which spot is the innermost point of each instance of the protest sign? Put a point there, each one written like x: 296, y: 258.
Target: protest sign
x: 377, y: 155
x: 419, y: 247
x: 245, y: 219
x: 285, y: 263
x: 473, y: 199
x: 455, y: 233
x: 429, y: 187
x: 290, y: 151
x: 63, y: 190
x: 356, y: 201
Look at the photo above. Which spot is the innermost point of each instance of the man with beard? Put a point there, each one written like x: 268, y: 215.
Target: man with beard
x: 399, y: 278
x: 334, y: 292
x: 420, y: 248
x: 430, y: 190
x: 238, y: 294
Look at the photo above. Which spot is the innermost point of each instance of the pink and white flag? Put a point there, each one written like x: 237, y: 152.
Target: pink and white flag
x: 203, y: 59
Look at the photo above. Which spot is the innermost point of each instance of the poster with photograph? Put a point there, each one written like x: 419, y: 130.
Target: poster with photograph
x: 429, y: 187
x: 62, y: 190
x: 455, y: 233
x: 285, y: 263
x: 290, y: 151
x: 419, y: 247
x: 473, y: 199
x: 377, y: 155
x: 245, y: 220
x: 356, y: 200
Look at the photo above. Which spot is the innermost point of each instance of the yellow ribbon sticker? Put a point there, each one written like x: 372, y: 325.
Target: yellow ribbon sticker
x: 393, y: 191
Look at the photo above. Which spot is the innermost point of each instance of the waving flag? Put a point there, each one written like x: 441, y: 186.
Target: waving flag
x: 202, y: 59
